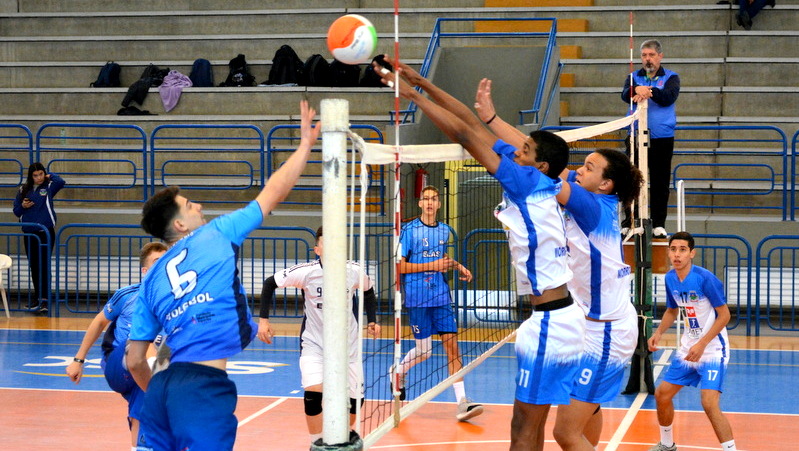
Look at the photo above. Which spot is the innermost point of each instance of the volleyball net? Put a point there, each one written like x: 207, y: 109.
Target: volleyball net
x: 487, y: 308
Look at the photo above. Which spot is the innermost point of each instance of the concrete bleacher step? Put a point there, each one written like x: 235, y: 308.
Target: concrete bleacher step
x: 174, y: 5
x: 598, y: 72
x: 193, y: 101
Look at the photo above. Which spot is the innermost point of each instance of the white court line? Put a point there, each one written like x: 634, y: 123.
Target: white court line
x: 627, y: 421
x: 262, y: 411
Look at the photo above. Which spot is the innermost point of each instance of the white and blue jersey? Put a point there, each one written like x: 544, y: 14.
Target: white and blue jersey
x: 534, y: 224
x: 194, y: 292
x: 602, y: 282
x: 697, y: 297
x: 422, y: 243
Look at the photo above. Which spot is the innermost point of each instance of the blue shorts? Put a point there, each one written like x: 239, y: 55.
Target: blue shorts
x: 609, y: 346
x: 549, y: 346
x: 189, y: 406
x: 705, y: 375
x: 426, y: 321
x: 121, y: 381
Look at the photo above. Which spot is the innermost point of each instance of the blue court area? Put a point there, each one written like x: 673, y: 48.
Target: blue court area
x: 758, y: 381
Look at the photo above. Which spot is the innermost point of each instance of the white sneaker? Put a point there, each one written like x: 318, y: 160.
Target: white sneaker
x: 659, y: 232
x: 468, y: 409
x: 662, y: 447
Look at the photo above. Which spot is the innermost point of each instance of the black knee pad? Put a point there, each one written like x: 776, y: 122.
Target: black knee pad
x: 313, y: 403
x: 352, y: 404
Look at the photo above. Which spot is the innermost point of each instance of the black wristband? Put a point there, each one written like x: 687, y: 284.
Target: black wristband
x: 78, y: 360
x: 492, y: 118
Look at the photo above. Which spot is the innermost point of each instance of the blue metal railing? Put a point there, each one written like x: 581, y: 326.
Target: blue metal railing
x: 777, y: 283
x: 103, y: 158
x: 437, y: 35
x: 16, y: 154
x: 792, y: 165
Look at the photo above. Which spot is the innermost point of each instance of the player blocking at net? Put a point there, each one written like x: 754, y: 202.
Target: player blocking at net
x: 309, y: 278
x: 424, y: 265
x: 195, y: 295
x: 591, y: 198
x: 549, y: 344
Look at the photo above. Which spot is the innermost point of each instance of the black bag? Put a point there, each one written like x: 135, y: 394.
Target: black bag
x: 286, y: 67
x: 344, y: 75
x: 154, y: 74
x: 239, y: 74
x: 137, y: 92
x: 108, y: 76
x: 202, y: 75
x: 370, y: 78
x: 316, y: 72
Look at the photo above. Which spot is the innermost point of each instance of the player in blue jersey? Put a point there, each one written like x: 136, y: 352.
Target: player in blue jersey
x: 549, y: 344
x: 704, y: 351
x: 591, y: 197
x: 118, y: 312
x: 194, y: 294
x: 427, y: 298
x: 309, y: 277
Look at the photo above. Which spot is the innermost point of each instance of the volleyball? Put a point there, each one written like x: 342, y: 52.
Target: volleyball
x: 352, y: 39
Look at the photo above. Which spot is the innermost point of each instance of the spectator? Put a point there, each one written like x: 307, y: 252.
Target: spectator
x: 660, y: 87
x: 34, y: 204
x: 749, y: 9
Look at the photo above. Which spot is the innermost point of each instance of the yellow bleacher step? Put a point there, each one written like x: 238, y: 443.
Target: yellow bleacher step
x: 566, y: 80
x: 564, y: 108
x: 570, y: 51
x: 564, y: 25
x: 372, y: 205
x: 536, y: 3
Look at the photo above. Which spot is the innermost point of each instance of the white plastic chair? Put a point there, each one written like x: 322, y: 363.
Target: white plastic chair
x: 5, y: 263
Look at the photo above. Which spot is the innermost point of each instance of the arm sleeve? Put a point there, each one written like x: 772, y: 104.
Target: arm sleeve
x: 237, y: 225
x: 714, y: 290
x: 668, y: 95
x: 370, y: 305
x: 625, y: 92
x: 56, y: 183
x: 267, y: 294
x: 670, y: 302
x: 18, y: 210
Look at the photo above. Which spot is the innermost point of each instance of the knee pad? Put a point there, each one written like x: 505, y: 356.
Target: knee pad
x: 352, y: 404
x: 313, y: 403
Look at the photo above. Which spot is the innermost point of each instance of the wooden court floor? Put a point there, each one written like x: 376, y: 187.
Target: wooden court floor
x: 43, y: 416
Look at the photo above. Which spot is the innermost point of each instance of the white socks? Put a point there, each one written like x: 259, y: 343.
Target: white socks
x: 460, y: 391
x: 729, y: 446
x: 666, y: 435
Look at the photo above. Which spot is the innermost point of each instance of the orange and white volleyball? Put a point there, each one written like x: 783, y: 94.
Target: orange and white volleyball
x: 352, y: 39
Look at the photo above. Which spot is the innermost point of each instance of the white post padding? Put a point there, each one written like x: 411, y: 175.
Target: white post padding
x: 335, y: 124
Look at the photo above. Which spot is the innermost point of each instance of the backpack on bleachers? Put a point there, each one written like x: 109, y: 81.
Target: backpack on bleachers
x: 370, y: 78
x: 316, y: 72
x: 155, y: 74
x: 202, y: 75
x: 239, y: 74
x: 108, y: 76
x: 286, y: 67
x: 344, y: 75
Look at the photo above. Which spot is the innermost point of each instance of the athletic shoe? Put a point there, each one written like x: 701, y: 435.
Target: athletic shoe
x: 401, y: 383
x: 743, y: 20
x: 468, y: 409
x: 42, y: 308
x: 33, y: 306
x: 771, y: 3
x: 662, y: 447
x: 659, y: 232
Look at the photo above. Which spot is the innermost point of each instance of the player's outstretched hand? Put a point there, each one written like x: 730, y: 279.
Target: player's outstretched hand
x: 389, y: 79
x: 265, y: 331
x: 406, y: 72
x: 483, y: 102
x: 308, y: 133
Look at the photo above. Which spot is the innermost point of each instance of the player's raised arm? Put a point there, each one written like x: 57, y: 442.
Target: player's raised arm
x: 484, y: 105
x: 284, y: 179
x: 478, y: 141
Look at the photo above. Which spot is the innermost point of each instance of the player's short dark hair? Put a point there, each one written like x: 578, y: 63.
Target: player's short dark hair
x: 627, y: 179
x: 318, y: 233
x: 158, y: 213
x: 149, y: 248
x: 683, y: 236
x: 552, y: 149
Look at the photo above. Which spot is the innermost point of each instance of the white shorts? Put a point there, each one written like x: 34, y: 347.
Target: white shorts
x: 609, y: 346
x: 549, y: 380
x: 312, y: 370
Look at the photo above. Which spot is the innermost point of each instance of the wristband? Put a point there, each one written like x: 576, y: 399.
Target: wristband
x: 78, y: 360
x: 492, y: 118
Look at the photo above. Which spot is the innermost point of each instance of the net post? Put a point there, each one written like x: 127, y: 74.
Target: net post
x: 335, y: 124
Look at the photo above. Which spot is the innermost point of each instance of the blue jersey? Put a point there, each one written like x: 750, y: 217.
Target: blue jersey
x: 698, y: 296
x: 601, y: 282
x: 534, y: 224
x: 193, y: 292
x: 119, y: 310
x: 422, y: 243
